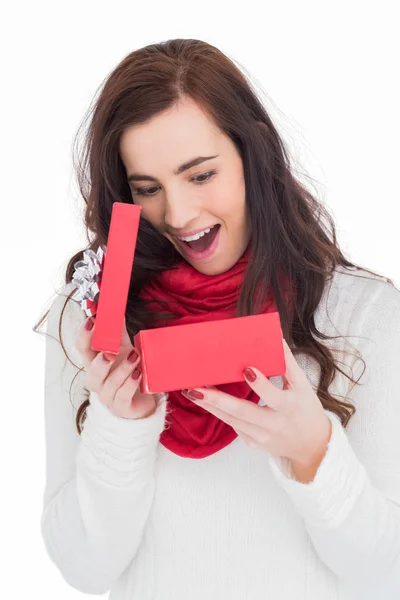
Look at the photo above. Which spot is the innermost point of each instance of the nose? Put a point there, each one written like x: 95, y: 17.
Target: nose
x: 179, y: 212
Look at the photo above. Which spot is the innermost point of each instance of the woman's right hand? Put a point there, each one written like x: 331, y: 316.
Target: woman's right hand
x: 116, y: 381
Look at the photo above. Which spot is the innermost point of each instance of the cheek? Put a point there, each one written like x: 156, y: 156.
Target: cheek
x: 153, y: 212
x: 228, y: 203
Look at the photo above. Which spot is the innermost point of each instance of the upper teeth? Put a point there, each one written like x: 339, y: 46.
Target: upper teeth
x: 197, y: 236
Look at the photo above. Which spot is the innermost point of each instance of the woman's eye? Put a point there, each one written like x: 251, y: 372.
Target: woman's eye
x: 195, y: 179
x: 208, y: 176
x: 144, y: 191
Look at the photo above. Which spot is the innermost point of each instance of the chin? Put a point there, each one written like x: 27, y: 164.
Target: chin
x: 213, y: 267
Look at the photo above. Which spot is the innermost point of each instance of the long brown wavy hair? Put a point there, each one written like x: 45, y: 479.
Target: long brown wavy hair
x: 287, y: 228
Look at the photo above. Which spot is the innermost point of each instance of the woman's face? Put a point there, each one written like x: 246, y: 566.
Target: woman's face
x: 201, y: 209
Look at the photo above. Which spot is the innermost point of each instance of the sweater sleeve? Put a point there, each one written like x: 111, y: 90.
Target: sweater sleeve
x: 351, y: 509
x: 100, y: 484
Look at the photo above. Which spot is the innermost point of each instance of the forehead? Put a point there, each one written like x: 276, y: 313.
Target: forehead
x: 170, y: 138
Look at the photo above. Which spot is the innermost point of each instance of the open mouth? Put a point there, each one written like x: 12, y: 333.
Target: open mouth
x: 202, y: 241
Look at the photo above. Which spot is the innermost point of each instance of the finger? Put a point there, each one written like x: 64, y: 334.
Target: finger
x: 118, y: 376
x: 294, y: 374
x: 124, y: 396
x: 250, y: 441
x: 84, y: 341
x: 261, y: 385
x: 97, y: 372
x: 241, y: 415
x: 223, y: 403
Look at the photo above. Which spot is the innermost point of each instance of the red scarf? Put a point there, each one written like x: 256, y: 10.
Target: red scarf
x: 192, y: 431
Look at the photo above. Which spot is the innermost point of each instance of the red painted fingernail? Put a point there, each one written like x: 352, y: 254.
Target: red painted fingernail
x: 132, y: 356
x: 89, y: 324
x: 193, y: 394
x: 249, y: 374
x: 136, y: 373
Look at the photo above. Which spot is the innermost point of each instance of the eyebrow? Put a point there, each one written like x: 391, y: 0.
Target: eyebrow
x: 187, y: 165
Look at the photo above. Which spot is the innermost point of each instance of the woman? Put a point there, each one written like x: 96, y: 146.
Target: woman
x: 269, y: 488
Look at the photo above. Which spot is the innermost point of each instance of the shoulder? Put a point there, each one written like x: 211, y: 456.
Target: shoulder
x: 355, y: 299
x: 65, y: 315
x: 360, y: 312
x: 65, y: 300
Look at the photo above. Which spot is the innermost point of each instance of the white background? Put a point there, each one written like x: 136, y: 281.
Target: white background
x: 329, y: 74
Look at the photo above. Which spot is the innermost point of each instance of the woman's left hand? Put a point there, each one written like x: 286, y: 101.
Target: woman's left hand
x: 293, y: 423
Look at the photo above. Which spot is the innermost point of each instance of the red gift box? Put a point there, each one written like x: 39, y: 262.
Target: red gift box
x: 116, y: 276
x: 211, y: 353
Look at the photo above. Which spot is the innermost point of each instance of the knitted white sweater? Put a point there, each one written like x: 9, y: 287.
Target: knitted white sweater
x: 122, y: 513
